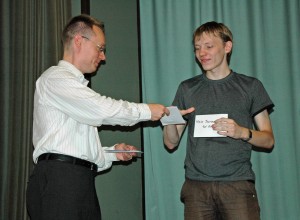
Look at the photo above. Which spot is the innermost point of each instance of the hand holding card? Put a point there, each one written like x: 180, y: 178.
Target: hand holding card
x: 173, y: 118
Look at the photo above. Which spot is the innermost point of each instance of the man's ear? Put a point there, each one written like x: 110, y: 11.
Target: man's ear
x: 228, y: 46
x: 77, y: 40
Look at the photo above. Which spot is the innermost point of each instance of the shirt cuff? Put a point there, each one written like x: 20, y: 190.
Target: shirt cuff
x: 110, y: 156
x: 145, y: 112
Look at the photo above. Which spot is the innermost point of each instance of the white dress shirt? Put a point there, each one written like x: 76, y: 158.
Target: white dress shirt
x: 67, y: 114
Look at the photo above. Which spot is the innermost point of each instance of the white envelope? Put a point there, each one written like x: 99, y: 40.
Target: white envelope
x: 203, y: 125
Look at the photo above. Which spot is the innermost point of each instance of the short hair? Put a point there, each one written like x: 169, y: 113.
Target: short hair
x: 218, y: 30
x: 81, y: 24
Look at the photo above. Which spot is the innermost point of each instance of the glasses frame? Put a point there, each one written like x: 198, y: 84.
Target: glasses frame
x: 100, y: 49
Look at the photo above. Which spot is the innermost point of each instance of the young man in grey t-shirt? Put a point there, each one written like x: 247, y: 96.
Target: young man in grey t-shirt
x: 219, y: 178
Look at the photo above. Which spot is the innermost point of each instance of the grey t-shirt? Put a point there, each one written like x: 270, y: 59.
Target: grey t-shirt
x: 221, y: 158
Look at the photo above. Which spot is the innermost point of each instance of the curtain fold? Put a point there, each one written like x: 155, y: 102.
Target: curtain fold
x: 266, y: 45
x: 30, y: 43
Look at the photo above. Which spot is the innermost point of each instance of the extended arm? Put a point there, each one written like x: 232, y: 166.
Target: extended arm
x: 173, y: 133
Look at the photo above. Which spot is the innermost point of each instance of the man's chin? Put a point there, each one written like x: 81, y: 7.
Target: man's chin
x: 206, y: 68
x: 95, y: 69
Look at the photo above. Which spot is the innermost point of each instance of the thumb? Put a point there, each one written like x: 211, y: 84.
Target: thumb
x: 187, y: 111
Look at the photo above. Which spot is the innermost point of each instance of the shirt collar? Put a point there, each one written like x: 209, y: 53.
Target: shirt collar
x: 76, y: 72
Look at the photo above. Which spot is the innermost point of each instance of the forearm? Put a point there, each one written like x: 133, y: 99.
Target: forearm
x: 172, y: 133
x: 262, y: 139
x: 171, y: 136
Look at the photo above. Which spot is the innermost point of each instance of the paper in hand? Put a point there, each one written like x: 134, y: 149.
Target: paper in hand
x: 173, y: 118
x: 203, y: 125
x: 123, y: 151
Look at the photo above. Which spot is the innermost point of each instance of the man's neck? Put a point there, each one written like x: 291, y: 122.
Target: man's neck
x: 218, y: 74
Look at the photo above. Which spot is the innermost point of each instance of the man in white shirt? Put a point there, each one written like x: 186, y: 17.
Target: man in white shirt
x: 67, y: 149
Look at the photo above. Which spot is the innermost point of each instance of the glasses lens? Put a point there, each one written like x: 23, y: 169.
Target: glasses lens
x: 102, y: 50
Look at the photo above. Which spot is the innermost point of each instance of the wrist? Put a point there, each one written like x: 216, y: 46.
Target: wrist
x: 249, y: 137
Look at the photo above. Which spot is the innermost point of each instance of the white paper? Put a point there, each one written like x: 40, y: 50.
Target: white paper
x: 203, y: 125
x: 123, y: 151
x: 173, y: 118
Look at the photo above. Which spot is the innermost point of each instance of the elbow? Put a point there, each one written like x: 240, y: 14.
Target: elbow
x: 270, y: 143
x: 171, y: 138
x: 266, y: 141
x: 169, y: 144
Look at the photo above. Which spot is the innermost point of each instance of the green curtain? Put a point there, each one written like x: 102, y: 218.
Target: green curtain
x: 30, y: 43
x: 266, y: 45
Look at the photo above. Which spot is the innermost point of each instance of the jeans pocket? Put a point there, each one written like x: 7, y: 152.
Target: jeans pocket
x: 183, y: 191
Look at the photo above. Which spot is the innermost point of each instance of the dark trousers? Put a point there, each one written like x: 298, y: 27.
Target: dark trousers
x: 220, y: 200
x: 62, y: 191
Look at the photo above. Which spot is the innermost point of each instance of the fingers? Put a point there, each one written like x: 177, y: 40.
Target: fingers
x: 227, y: 127
x: 187, y: 111
x: 129, y: 156
x: 221, y: 125
x: 165, y: 112
x: 125, y: 156
x: 158, y: 111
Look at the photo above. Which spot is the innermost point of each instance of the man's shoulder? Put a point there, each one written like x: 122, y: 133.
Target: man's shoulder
x: 243, y: 78
x: 57, y: 72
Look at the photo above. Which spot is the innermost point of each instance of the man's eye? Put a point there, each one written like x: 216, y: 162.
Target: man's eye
x: 102, y: 49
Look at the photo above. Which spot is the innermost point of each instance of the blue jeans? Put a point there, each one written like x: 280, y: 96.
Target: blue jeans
x: 235, y: 200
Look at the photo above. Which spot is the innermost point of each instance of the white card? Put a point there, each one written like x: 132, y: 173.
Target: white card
x: 203, y: 125
x: 173, y: 118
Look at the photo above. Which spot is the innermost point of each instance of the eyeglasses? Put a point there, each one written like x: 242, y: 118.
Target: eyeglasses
x: 100, y: 49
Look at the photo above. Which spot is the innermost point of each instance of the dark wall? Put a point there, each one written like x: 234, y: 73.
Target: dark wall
x: 119, y: 189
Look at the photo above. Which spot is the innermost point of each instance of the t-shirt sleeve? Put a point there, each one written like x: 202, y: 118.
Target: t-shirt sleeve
x: 179, y: 99
x: 260, y: 99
